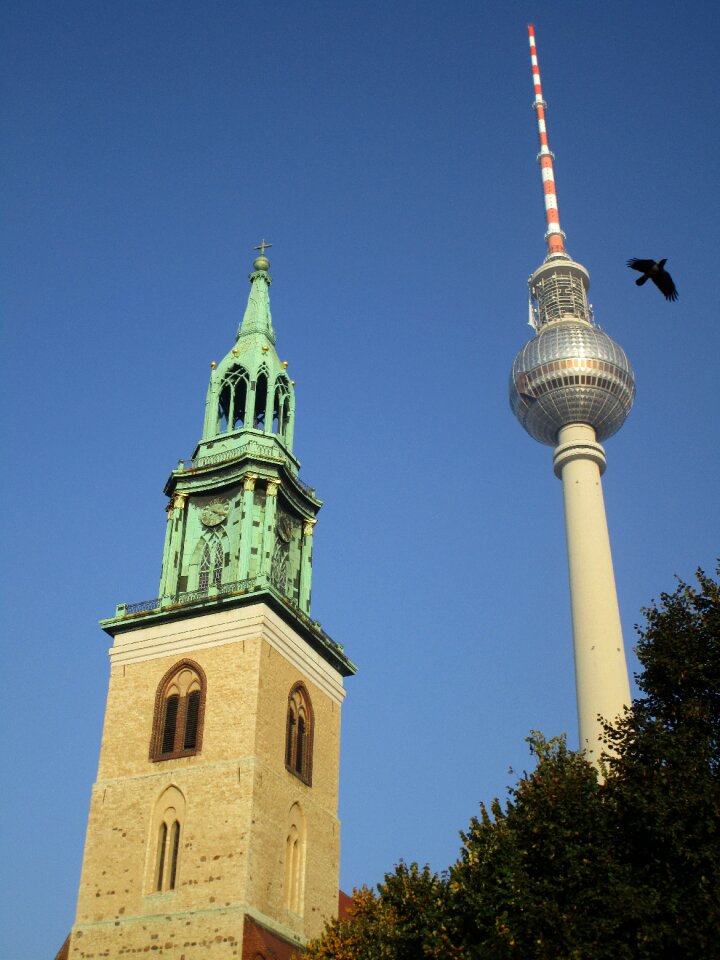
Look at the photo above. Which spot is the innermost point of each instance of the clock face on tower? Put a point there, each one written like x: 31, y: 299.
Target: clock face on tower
x: 215, y: 512
x: 284, y: 527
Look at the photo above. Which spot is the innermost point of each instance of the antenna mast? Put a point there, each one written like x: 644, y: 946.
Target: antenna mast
x: 554, y: 236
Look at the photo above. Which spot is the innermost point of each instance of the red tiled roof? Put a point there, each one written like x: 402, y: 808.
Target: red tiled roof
x: 344, y: 904
x: 64, y: 950
x: 259, y: 941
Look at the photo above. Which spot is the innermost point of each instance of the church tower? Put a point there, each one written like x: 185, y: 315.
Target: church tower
x: 213, y: 829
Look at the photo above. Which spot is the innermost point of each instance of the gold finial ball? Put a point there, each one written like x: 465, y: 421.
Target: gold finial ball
x: 212, y: 364
x: 285, y: 364
x: 261, y: 263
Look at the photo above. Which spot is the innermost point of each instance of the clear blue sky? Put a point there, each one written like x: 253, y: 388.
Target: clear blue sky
x: 388, y: 152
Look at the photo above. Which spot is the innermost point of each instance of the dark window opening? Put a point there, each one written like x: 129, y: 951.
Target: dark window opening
x: 233, y: 400
x: 300, y: 746
x: 179, y: 713
x: 171, y: 711
x: 175, y: 847
x: 162, y: 841
x: 191, y: 720
x: 290, y: 738
x: 299, y: 734
x: 281, y: 407
x: 260, y: 402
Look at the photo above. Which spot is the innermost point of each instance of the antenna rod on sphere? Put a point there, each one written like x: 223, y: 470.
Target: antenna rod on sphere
x: 554, y: 236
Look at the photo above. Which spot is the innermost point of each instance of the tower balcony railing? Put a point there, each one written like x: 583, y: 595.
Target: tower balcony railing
x: 266, y: 451
x: 131, y: 609
x: 215, y: 593
x: 191, y: 596
x: 225, y: 456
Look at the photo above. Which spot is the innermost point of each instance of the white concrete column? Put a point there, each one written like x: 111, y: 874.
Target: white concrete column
x: 601, y: 674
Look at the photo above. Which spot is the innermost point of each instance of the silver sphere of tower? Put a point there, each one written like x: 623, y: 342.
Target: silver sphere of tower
x: 571, y: 372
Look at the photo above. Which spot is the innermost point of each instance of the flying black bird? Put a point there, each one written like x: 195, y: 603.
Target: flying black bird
x: 658, y: 274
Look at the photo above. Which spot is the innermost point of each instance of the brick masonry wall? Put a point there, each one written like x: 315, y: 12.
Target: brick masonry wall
x: 237, y: 795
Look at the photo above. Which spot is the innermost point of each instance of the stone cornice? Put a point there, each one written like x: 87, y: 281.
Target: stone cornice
x: 174, y: 637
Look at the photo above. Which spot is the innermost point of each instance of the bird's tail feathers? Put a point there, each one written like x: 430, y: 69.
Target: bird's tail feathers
x: 641, y: 280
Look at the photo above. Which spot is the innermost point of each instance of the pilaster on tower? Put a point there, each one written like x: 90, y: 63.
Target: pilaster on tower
x: 572, y: 386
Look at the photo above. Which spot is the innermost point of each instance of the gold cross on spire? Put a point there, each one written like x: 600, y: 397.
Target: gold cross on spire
x: 263, y: 247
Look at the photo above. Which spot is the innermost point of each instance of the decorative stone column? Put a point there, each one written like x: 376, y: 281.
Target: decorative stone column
x: 306, y: 563
x: 169, y: 575
x: 600, y: 667
x: 269, y: 405
x: 268, y: 539
x: 246, y: 531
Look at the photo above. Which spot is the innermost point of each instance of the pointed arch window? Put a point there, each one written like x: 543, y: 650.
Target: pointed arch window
x: 281, y: 406
x: 211, y: 563
x: 166, y: 832
x: 233, y: 400
x: 179, y: 713
x: 299, y: 734
x: 261, y: 391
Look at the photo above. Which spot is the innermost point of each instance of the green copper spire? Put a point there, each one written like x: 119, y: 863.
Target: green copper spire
x: 240, y: 522
x: 257, y: 318
x: 249, y: 389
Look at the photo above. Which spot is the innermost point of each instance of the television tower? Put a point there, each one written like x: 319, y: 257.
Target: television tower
x: 571, y: 386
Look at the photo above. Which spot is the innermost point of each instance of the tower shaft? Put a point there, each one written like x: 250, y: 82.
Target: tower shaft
x: 601, y: 676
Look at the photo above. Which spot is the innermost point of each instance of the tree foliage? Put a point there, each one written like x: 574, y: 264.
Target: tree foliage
x: 538, y: 877
x: 570, y: 867
x: 663, y: 787
x: 406, y: 920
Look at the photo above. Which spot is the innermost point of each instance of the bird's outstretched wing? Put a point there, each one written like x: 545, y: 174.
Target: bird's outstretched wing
x: 644, y: 266
x: 655, y: 271
x: 664, y: 283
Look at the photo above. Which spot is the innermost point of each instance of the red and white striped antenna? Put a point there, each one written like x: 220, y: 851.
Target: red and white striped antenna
x: 554, y: 235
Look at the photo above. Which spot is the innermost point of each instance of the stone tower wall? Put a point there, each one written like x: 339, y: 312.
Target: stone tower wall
x: 237, y: 794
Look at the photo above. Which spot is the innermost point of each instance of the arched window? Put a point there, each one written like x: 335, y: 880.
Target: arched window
x: 179, y: 712
x: 295, y: 860
x: 211, y: 563
x: 299, y: 734
x: 166, y: 830
x: 233, y: 400
x: 281, y: 406
x: 173, y: 850
x: 261, y: 388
